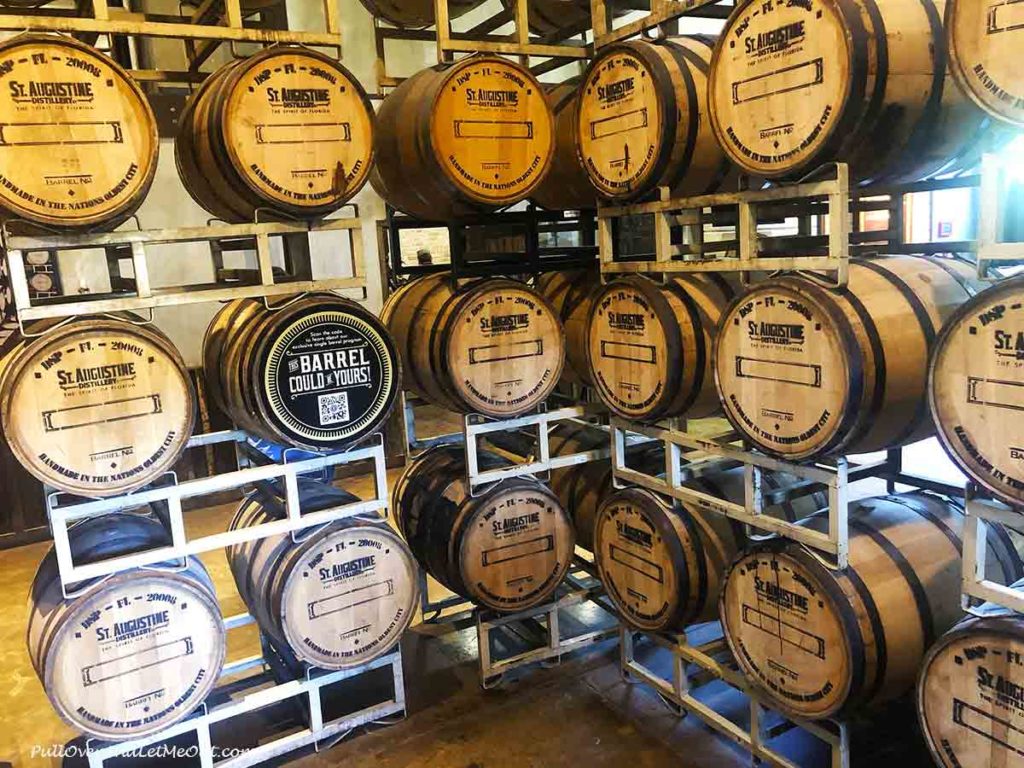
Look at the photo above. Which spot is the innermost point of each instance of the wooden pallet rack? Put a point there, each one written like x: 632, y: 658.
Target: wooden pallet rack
x: 202, y: 30
x: 659, y: 19
x: 557, y: 48
x: 827, y: 214
x: 983, y: 511
x: 695, y: 666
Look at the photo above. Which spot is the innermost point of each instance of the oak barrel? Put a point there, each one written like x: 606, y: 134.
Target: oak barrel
x: 319, y: 373
x: 288, y: 130
x: 642, y: 120
x: 131, y: 654
x: 572, y: 294
x: 413, y: 14
x: 985, y: 39
x: 976, y: 389
x: 334, y: 596
x: 78, y: 140
x: 492, y: 346
x: 507, y: 548
x: 650, y: 345
x: 804, y: 370
x: 464, y: 138
x: 662, y: 562
x: 825, y: 643
x: 794, y: 86
x: 970, y: 693
x: 566, y: 185
x: 96, y: 407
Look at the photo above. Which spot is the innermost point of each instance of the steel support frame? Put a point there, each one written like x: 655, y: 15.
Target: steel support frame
x: 982, y: 512
x: 146, y: 296
x: 61, y: 515
x: 707, y: 455
x: 309, y: 687
x: 585, y: 588
x: 680, y: 692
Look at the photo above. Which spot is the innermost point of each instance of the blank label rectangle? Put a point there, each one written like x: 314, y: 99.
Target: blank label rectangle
x: 774, y: 370
x: 627, y: 121
x: 136, y: 661
x: 997, y: 393
x: 794, y: 636
x: 350, y: 599
x: 495, y: 353
x: 493, y: 129
x: 62, y: 133
x: 638, y: 564
x: 636, y: 353
x: 101, y: 413
x: 308, y: 133
x: 780, y: 81
x: 516, y: 551
x: 1007, y: 17
x: 983, y: 723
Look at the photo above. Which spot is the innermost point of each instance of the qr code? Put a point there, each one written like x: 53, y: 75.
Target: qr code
x: 333, y: 408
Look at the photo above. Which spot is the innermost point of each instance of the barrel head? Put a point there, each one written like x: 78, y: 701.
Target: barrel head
x: 787, y: 633
x: 78, y: 140
x: 515, y: 548
x: 985, y: 39
x: 783, y: 369
x: 780, y: 80
x: 492, y: 130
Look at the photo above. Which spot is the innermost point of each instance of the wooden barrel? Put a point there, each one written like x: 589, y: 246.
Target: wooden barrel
x: 96, y: 407
x: 642, y: 120
x: 806, y: 371
x: 650, y: 345
x: 131, y: 654
x: 970, y: 693
x: 464, y: 138
x: 414, y: 14
x: 320, y: 373
x: 824, y: 643
x: 985, y: 38
x: 78, y: 140
x: 662, y: 563
x: 507, y: 548
x: 794, y: 86
x: 287, y: 130
x: 571, y: 294
x: 334, y: 596
x: 975, y: 389
x: 493, y: 346
x: 566, y: 186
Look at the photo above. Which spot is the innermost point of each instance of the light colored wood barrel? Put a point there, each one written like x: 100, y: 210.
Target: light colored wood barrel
x: 805, y: 371
x: 566, y: 185
x: 287, y: 130
x: 128, y: 655
x: 976, y: 389
x: 96, y: 407
x: 985, y: 39
x: 662, y: 563
x: 491, y: 346
x: 320, y: 373
x: 506, y: 549
x: 335, y: 596
x: 572, y: 294
x: 78, y: 140
x: 650, y: 345
x: 824, y: 643
x: 797, y: 85
x: 970, y: 693
x: 414, y: 14
x: 463, y: 138
x: 642, y: 120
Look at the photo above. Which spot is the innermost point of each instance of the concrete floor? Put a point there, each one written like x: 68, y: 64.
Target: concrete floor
x: 579, y: 713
